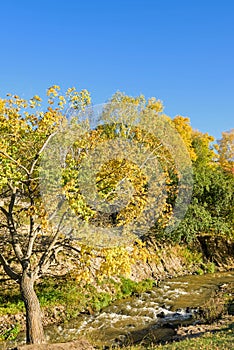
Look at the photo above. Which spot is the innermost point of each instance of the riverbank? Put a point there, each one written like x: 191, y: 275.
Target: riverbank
x: 213, y: 329
x: 218, y: 335
x: 200, y: 335
x: 63, y: 298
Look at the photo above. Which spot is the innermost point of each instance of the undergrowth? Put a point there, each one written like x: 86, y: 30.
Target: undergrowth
x: 75, y: 298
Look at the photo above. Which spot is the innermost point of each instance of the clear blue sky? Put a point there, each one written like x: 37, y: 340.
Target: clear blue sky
x: 180, y: 51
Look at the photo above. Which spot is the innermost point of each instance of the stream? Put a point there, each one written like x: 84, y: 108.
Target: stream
x: 173, y: 301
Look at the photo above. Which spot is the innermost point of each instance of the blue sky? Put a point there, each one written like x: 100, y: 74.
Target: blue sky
x: 180, y: 51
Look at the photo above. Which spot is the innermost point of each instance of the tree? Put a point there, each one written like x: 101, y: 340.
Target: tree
x: 226, y: 151
x: 28, y: 243
x: 169, y: 142
x: 138, y: 162
x: 211, y: 207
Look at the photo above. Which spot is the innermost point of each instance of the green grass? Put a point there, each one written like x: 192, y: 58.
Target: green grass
x: 11, y: 333
x: 69, y: 293
x: 129, y: 287
x: 220, y: 340
x: 10, y: 302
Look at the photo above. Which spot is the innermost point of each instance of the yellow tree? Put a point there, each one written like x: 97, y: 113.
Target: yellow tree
x: 139, y: 160
x: 185, y: 130
x: 108, y: 167
x: 28, y: 244
x: 226, y: 150
x: 66, y: 176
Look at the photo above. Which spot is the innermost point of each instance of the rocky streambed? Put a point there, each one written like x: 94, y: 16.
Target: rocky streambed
x: 153, y: 316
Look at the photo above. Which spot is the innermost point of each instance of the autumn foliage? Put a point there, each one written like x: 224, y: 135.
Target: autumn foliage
x: 30, y: 245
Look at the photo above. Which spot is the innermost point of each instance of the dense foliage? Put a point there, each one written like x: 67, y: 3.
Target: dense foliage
x: 30, y: 245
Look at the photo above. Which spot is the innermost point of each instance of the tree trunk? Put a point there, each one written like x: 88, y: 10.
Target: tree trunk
x: 34, y: 328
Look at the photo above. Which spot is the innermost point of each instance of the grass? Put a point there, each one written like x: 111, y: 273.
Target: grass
x: 10, y: 302
x: 71, y: 298
x: 69, y: 293
x: 209, y: 341
x: 75, y: 298
x: 11, y: 333
x: 222, y: 339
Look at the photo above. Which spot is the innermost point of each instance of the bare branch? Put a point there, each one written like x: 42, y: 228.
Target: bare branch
x: 4, y: 211
x: 47, y: 254
x: 11, y: 227
x: 12, y: 274
x: 40, y: 151
x: 70, y: 247
x: 12, y: 201
x: 51, y: 257
x: 32, y: 237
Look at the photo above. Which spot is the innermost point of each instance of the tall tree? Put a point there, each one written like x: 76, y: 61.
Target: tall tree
x: 29, y: 239
x: 211, y: 208
x: 28, y: 244
x: 226, y: 150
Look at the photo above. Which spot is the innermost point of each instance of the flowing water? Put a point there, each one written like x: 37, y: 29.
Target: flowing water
x: 174, y: 300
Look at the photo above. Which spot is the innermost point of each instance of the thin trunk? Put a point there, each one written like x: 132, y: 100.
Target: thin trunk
x: 34, y: 328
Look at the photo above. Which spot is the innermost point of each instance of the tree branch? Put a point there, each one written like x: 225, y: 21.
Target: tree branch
x: 40, y: 151
x: 45, y: 258
x: 32, y: 237
x: 5, y: 212
x: 11, y: 227
x: 15, y: 161
x: 12, y: 274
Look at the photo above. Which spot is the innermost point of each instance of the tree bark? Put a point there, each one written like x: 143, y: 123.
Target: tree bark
x: 34, y: 328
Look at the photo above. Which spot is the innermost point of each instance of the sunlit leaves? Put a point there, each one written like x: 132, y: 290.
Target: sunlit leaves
x: 226, y: 151
x: 186, y: 132
x: 24, y: 130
